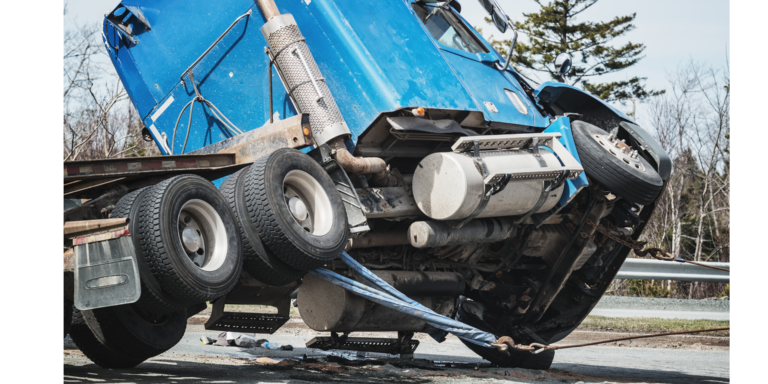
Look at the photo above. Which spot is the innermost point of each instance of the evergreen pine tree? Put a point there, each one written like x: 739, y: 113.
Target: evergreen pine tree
x: 554, y: 29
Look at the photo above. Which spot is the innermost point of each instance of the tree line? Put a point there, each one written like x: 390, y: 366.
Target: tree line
x: 99, y: 121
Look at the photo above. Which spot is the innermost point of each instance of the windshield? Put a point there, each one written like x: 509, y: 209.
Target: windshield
x: 447, y: 29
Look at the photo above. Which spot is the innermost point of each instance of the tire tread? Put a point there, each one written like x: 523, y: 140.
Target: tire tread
x: 150, y: 299
x: 263, y: 268
x: 94, y: 349
x: 264, y: 217
x: 610, y: 172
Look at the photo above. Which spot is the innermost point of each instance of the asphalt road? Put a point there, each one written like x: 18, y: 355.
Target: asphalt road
x: 616, y: 306
x: 191, y: 362
x: 661, y: 314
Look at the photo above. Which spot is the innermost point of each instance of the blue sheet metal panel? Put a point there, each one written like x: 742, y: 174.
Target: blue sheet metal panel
x: 390, y: 62
x: 240, y: 92
x: 404, y: 55
x: 234, y: 77
x: 563, y: 126
x: 552, y: 90
x: 375, y: 59
x: 181, y: 31
x: 126, y: 69
x: 486, y: 83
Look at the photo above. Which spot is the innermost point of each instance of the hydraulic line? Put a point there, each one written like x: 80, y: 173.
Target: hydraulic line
x: 214, y: 111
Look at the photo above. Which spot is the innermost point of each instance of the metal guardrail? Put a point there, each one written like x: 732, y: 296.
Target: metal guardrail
x: 671, y: 270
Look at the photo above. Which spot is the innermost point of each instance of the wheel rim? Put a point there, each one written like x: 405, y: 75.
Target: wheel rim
x: 202, y: 235
x: 629, y: 156
x: 308, y: 203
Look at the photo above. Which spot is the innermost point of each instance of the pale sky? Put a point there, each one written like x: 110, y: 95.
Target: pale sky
x: 674, y: 31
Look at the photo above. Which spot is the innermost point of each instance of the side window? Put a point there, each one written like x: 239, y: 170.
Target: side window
x: 447, y: 29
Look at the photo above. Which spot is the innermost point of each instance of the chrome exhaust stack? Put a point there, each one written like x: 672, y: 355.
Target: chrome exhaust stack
x: 302, y: 78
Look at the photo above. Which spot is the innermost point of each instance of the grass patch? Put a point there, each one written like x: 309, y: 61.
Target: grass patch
x: 651, y: 325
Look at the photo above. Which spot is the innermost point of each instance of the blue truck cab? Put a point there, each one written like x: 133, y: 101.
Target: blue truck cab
x: 377, y: 60
x: 430, y: 158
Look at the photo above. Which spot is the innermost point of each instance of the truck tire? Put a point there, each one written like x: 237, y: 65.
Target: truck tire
x: 152, y: 299
x: 516, y: 359
x: 258, y: 261
x: 95, y: 349
x: 289, y: 177
x: 134, y: 332
x: 123, y: 207
x: 189, y: 239
x: 67, y: 316
x: 633, y: 179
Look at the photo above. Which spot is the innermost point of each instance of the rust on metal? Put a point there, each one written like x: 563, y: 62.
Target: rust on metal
x: 93, y: 178
x: 387, y: 202
x: 251, y: 145
x: 73, y: 187
x: 80, y: 228
x: 381, y: 239
x: 69, y: 260
x: 101, y: 237
x: 358, y: 165
x: 87, y: 184
x: 537, y: 348
x: 99, y: 169
x: 503, y: 344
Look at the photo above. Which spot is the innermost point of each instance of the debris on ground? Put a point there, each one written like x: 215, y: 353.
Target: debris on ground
x: 242, y: 340
x: 235, y: 339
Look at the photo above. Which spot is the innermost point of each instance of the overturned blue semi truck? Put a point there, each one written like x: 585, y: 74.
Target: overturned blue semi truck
x: 394, y: 132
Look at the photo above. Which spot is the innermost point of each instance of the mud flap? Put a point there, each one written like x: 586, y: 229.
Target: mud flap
x: 358, y: 223
x: 106, y: 274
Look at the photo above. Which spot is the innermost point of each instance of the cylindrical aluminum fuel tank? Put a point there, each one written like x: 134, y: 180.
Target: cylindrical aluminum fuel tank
x: 449, y: 186
x: 303, y: 78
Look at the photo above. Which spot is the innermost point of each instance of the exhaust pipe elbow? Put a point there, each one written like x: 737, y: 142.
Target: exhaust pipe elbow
x: 358, y: 165
x: 363, y: 165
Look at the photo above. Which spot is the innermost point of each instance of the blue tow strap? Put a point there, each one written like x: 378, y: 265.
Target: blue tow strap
x: 380, y: 292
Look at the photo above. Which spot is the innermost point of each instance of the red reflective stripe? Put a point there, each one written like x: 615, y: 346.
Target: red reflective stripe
x: 112, y: 235
x: 186, y: 163
x: 151, y: 164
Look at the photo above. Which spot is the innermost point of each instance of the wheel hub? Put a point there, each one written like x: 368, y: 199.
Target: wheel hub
x: 298, y: 208
x: 308, y: 203
x: 620, y: 150
x: 190, y: 239
x: 202, y: 235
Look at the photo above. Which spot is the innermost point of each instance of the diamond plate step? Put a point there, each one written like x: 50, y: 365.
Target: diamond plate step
x: 364, y: 344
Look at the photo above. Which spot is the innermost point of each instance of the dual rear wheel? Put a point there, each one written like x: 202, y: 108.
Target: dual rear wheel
x: 276, y: 219
x: 188, y: 251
